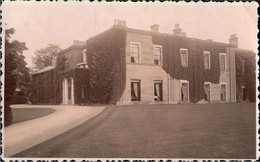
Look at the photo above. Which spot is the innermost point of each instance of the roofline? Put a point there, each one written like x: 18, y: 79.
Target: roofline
x: 70, y: 48
x: 170, y: 35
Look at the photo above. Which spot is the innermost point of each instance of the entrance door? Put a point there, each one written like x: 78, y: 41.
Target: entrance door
x: 185, y: 92
x: 207, y: 91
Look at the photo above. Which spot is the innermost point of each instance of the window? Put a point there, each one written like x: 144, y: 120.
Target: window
x: 135, y: 53
x: 157, y: 54
x: 184, y: 91
x: 66, y: 63
x: 69, y: 88
x: 223, y: 92
x: 84, y: 92
x: 206, y: 59
x: 84, y: 55
x: 69, y: 93
x: 243, y: 67
x: 135, y: 90
x: 207, y: 91
x: 158, y: 93
x: 222, y: 61
x: 184, y: 57
x: 243, y: 95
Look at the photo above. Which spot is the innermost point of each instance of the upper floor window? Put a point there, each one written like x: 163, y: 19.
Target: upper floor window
x: 135, y: 52
x: 243, y: 67
x: 184, y: 57
x: 84, y: 55
x: 157, y: 54
x: 206, y: 59
x: 222, y: 61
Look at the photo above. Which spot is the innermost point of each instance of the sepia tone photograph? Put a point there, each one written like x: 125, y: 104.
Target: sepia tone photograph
x: 129, y: 80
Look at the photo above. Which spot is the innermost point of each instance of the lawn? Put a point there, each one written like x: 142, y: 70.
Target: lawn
x: 23, y: 114
x: 226, y: 131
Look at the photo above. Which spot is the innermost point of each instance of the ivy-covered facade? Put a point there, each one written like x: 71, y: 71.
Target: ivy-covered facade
x: 129, y: 66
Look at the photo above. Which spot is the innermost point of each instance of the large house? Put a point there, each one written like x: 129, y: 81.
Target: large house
x: 125, y: 66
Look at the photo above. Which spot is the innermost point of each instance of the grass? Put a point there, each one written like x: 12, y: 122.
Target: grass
x: 24, y: 114
x: 226, y: 131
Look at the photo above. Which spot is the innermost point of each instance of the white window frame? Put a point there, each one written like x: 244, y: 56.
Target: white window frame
x: 139, y: 58
x: 185, y: 81
x: 224, y: 54
x: 184, y: 49
x: 206, y: 53
x: 136, y: 81
x: 156, y: 46
x: 209, y: 89
x: 225, y: 90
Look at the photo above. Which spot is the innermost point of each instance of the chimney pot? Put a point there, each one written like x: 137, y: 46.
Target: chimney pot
x: 119, y: 23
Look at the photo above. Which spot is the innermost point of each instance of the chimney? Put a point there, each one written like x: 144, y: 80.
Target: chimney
x: 155, y: 28
x: 79, y: 43
x: 54, y: 61
x: 177, y: 30
x: 119, y: 23
x: 233, y: 40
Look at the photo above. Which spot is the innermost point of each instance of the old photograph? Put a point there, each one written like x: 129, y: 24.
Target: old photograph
x: 125, y: 80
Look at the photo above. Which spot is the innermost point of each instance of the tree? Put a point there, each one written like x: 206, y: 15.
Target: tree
x: 14, y: 66
x: 43, y: 57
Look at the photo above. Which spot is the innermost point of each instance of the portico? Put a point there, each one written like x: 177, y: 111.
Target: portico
x: 68, y: 91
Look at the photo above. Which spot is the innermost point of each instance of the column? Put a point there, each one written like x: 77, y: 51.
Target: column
x: 66, y: 91
x: 63, y: 91
x: 72, y: 91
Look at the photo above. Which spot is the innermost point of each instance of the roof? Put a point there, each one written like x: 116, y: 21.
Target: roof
x: 76, y: 44
x: 48, y: 68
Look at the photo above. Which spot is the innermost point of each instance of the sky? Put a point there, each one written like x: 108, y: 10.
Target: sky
x: 41, y: 23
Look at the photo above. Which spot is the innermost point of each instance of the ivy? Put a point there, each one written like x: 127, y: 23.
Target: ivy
x: 106, y: 61
x: 248, y: 78
x: 195, y: 73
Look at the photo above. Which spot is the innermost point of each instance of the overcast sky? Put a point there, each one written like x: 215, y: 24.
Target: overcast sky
x: 41, y: 23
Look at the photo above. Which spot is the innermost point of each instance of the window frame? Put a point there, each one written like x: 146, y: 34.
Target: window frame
x: 139, y: 89
x: 243, y: 66
x: 224, y: 54
x: 83, y: 92
x: 207, y: 53
x: 225, y: 91
x: 139, y: 57
x: 206, y: 83
x: 185, y: 81
x: 161, y: 56
x: 161, y: 89
x: 182, y: 59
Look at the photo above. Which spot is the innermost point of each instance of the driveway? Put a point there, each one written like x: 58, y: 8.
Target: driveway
x: 23, y: 135
x: 225, y: 131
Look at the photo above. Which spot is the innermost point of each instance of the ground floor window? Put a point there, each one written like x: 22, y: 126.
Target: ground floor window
x: 184, y: 91
x: 158, y: 93
x: 69, y: 93
x: 135, y: 90
x: 243, y: 93
x: 223, y: 92
x: 207, y: 91
x: 84, y: 92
